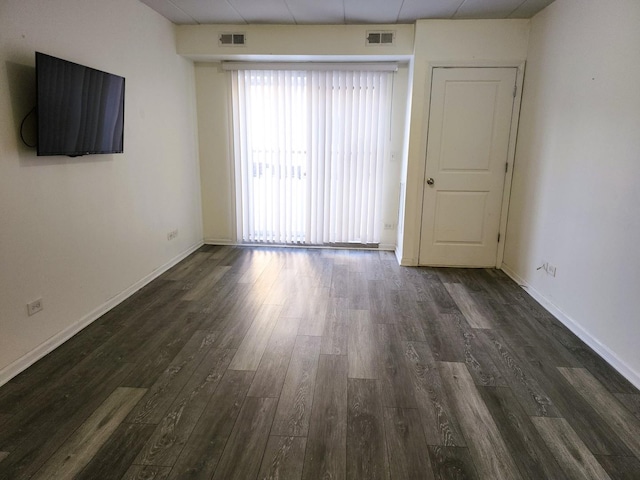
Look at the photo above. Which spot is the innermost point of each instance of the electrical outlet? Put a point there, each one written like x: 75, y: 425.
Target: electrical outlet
x: 389, y: 226
x: 34, y: 307
x: 551, y: 270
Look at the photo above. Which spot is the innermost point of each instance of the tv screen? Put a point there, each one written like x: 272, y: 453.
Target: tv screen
x: 80, y: 109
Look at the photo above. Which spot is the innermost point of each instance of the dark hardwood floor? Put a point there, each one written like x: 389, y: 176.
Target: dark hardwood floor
x: 260, y: 363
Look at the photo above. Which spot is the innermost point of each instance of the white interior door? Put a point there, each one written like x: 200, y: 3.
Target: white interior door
x: 467, y: 154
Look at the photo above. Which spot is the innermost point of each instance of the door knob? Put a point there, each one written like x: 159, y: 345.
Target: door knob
x: 430, y: 181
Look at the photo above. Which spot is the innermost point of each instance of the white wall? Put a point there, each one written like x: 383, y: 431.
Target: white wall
x: 300, y: 42
x: 454, y: 43
x: 82, y: 232
x: 216, y: 161
x: 576, y: 194
x: 268, y: 42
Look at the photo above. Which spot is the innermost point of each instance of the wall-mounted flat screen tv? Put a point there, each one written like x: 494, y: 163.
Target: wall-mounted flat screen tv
x: 80, y: 109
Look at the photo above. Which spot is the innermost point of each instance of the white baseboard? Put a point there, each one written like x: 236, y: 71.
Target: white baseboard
x: 212, y: 241
x: 24, y: 362
x: 408, y: 262
x: 605, y: 352
x: 218, y: 241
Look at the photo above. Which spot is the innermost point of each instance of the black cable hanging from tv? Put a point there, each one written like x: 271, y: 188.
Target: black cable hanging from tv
x: 22, y: 128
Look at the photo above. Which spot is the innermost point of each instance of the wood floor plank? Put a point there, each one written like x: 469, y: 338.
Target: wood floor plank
x: 225, y: 296
x: 631, y: 401
x: 4, y: 419
x: 187, y: 267
x: 116, y: 350
x: 175, y: 427
x: 242, y: 455
x: 283, y: 458
x: 358, y: 291
x: 268, y: 277
x: 532, y: 455
x: 335, y: 338
x: 392, y: 277
x: 201, y: 454
x: 366, y: 445
x: 445, y: 335
x: 16, y: 393
x: 279, y: 291
x: 296, y: 306
x: 518, y: 377
x: 340, y: 281
x: 154, y: 354
x: 3, y: 455
x: 255, y: 341
x: 470, y: 307
x: 164, y: 391
x: 204, y: 285
x: 594, y: 431
x: 361, y: 345
x: 625, y: 425
x: 611, y: 379
x: 114, y: 458
x: 620, y: 468
x: 373, y: 267
x: 488, y: 450
x: 408, y: 454
x: 33, y: 438
x: 325, y: 455
x: 380, y: 302
x: 312, y: 322
x: 452, y: 463
x: 393, y: 373
x: 338, y: 310
x: 296, y: 399
x: 521, y: 328
x: 461, y: 342
x: 408, y: 313
x: 571, y: 453
x: 416, y: 280
x: 78, y: 450
x: 236, y: 323
x: 452, y: 339
x: 439, y: 422
x: 146, y: 472
x: 258, y: 267
x: 437, y: 294
x: 273, y: 366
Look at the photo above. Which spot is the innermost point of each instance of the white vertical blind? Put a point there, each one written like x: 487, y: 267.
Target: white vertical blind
x: 309, y: 153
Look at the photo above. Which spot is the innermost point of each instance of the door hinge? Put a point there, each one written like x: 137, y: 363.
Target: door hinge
x: 515, y: 90
x: 498, y: 237
x: 506, y: 167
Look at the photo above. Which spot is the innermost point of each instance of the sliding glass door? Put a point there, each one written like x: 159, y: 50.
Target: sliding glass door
x: 309, y: 149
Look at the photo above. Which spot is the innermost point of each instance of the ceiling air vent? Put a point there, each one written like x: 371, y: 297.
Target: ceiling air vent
x: 381, y: 38
x: 232, y: 39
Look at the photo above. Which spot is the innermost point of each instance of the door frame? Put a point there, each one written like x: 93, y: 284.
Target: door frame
x: 513, y: 134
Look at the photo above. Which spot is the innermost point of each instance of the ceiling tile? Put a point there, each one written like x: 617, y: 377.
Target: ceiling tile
x: 414, y: 9
x: 264, y: 11
x: 529, y: 8
x: 317, y: 11
x: 210, y: 11
x: 487, y: 9
x: 372, y: 11
x: 339, y: 11
x: 170, y: 11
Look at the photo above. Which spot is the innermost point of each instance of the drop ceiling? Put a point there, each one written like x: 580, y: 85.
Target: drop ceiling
x: 191, y: 12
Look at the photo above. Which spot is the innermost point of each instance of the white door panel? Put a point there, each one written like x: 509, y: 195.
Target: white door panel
x: 468, y: 144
